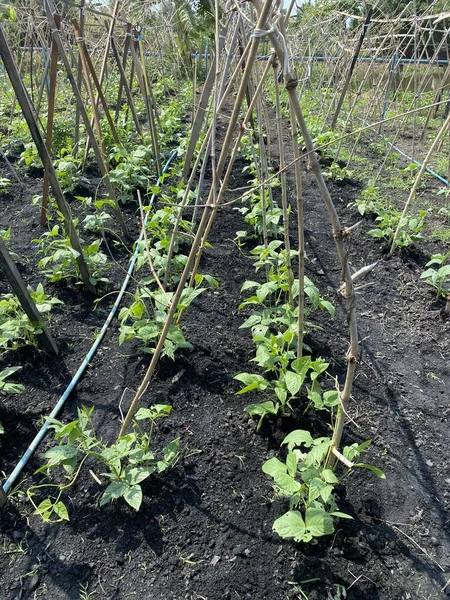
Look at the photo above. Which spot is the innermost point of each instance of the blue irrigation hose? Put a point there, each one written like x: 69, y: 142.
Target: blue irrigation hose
x: 41, y: 434
x: 411, y: 160
x: 428, y: 170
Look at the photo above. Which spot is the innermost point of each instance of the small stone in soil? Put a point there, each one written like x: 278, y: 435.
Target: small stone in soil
x: 241, y: 550
x: 33, y: 584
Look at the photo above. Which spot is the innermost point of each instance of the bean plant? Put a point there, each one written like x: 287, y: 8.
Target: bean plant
x: 16, y: 329
x: 438, y: 274
x: 309, y: 485
x: 125, y: 464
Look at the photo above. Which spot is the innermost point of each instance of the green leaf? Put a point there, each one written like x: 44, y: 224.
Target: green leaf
x: 281, y: 394
x: 282, y: 480
x: 250, y: 322
x: 297, y: 438
x: 376, y: 233
x: 171, y: 451
x: 274, y: 467
x: 251, y: 381
x: 133, y: 496
x: 341, y: 515
x: 328, y: 476
x: 44, y: 509
x: 293, y: 382
x: 319, y: 489
x: 378, y: 472
x: 291, y: 464
x: 115, y: 490
x: 154, y: 412
x: 328, y: 307
x: 9, y: 371
x: 318, y: 522
x: 301, y: 365
x: 59, y: 454
x: 318, y: 452
x: 290, y: 525
x: 138, y: 474
x: 331, y: 398
x: 61, y: 510
x: 249, y: 284
x: 264, y: 408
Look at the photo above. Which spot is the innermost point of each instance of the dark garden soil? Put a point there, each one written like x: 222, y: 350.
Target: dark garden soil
x: 204, y: 529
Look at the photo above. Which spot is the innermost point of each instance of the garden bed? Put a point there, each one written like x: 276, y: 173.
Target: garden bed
x: 204, y: 528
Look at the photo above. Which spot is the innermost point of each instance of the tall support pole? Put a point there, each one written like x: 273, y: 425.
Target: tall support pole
x: 152, y: 105
x: 50, y: 116
x: 126, y: 87
x: 352, y: 66
x: 148, y: 106
x: 76, y: 137
x: 123, y: 78
x: 29, y: 114
x: 388, y: 91
x: 88, y: 68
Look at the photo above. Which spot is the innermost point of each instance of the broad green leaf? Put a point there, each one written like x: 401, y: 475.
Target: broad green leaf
x: 301, y: 365
x: 318, y: 522
x: 281, y: 394
x: 154, y: 412
x: 44, y: 509
x: 251, y: 381
x: 331, y: 398
x: 274, y: 467
x: 263, y: 357
x: 171, y: 451
x: 317, y: 452
x: 138, y: 474
x: 328, y: 476
x: 9, y: 371
x: 61, y: 510
x: 265, y: 408
x: 59, y: 454
x: 286, y: 484
x: 297, y: 438
x: 115, y: 490
x: 249, y: 284
x: 290, y: 525
x: 328, y: 307
x: 293, y: 382
x: 133, y: 496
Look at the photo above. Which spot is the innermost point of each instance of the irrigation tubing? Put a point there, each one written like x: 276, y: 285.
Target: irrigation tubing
x: 410, y: 158
x: 428, y: 170
x: 4, y: 489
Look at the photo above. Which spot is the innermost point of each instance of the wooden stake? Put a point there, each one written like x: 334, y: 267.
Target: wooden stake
x: 76, y: 138
x: 148, y: 105
x: 123, y: 64
x: 352, y: 66
x: 127, y: 89
x: 50, y: 116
